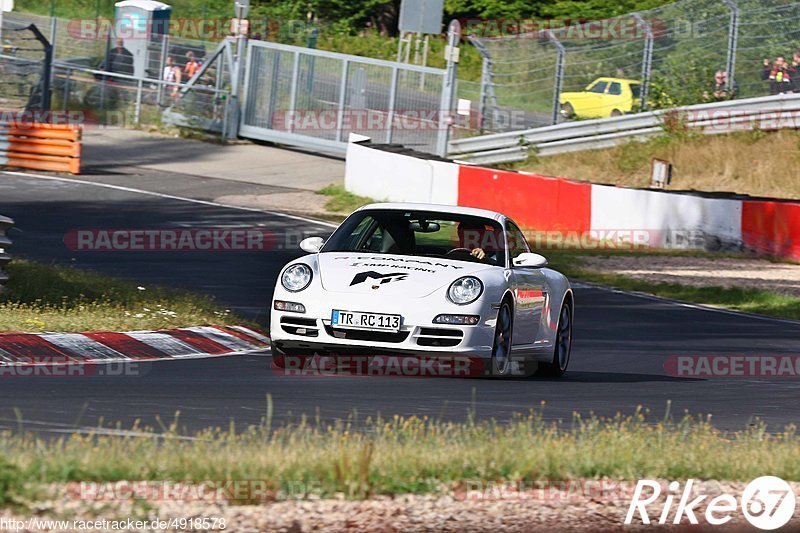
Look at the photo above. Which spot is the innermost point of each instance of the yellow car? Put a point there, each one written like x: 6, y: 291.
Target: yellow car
x: 603, y: 98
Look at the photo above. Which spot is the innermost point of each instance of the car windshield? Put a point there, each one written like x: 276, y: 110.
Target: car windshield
x: 422, y: 234
x: 599, y: 87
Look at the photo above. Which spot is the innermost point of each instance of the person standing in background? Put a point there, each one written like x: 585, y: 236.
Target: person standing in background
x: 172, y: 75
x: 191, y: 65
x: 779, y: 75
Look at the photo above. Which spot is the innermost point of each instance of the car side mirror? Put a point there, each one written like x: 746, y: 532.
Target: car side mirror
x: 530, y: 260
x: 312, y: 245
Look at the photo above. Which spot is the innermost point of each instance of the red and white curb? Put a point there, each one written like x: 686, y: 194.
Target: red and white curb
x: 112, y: 347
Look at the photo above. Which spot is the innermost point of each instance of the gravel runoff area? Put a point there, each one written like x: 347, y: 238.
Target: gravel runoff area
x: 597, y: 505
x: 306, y: 203
x: 782, y: 278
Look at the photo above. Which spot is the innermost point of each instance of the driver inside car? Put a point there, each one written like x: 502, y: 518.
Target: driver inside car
x: 480, y: 241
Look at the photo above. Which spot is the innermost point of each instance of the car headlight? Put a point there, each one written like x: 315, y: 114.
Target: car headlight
x: 296, y: 277
x: 465, y: 290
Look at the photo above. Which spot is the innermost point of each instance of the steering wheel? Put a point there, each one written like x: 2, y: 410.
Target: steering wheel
x: 457, y: 250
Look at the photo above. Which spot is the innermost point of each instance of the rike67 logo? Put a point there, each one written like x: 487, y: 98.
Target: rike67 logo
x: 767, y: 502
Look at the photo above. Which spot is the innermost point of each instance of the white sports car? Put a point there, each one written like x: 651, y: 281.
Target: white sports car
x: 432, y: 280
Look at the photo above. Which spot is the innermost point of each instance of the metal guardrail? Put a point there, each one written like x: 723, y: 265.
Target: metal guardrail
x: 5, y: 243
x: 717, y: 117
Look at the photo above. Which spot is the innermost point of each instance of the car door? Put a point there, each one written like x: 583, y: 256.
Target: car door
x: 528, y: 287
x: 614, y: 99
x: 591, y: 105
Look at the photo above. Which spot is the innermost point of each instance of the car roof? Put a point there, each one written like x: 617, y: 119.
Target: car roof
x: 624, y: 80
x: 441, y: 208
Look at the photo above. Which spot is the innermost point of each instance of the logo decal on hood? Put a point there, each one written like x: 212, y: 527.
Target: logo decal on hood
x: 361, y: 277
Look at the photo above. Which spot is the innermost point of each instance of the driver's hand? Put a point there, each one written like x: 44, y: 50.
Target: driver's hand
x: 478, y: 253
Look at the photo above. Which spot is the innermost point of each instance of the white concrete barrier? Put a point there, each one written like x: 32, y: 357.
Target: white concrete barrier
x: 672, y: 220
x: 389, y: 176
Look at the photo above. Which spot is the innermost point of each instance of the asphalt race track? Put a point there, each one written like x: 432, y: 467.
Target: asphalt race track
x: 621, y: 340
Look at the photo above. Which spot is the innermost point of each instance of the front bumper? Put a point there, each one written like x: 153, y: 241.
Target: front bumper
x: 311, y: 331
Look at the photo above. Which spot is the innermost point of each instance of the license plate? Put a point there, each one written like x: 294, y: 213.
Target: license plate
x: 359, y: 320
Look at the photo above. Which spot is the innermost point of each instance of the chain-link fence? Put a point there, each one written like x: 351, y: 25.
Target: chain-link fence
x: 682, y: 53
x: 88, y: 82
x: 22, y: 67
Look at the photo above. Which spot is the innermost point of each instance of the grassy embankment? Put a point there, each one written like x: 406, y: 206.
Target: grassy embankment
x: 755, y: 162
x: 406, y: 455
x: 40, y: 297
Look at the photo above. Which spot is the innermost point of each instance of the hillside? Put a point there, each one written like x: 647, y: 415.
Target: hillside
x: 756, y: 163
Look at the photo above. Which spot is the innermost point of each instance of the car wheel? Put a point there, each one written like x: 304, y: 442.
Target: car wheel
x: 567, y: 110
x: 616, y: 113
x: 501, y: 348
x: 563, y: 345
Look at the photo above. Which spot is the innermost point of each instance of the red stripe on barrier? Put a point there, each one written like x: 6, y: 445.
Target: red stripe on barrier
x: 772, y: 227
x: 534, y: 202
x: 242, y: 335
x: 196, y: 340
x: 27, y: 348
x: 133, y: 348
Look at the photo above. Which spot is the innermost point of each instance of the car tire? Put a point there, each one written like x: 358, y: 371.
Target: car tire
x: 563, y: 345
x: 567, y: 111
x: 616, y: 113
x: 501, y: 346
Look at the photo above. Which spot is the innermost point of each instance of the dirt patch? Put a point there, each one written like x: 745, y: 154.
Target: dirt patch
x: 298, y: 201
x: 306, y: 203
x: 781, y: 278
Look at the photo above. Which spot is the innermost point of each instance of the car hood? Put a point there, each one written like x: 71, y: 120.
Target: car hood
x: 572, y: 97
x: 390, y: 275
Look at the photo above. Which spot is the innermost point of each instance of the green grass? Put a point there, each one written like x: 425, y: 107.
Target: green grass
x: 41, y: 297
x: 407, y: 455
x: 748, y: 300
x: 341, y: 200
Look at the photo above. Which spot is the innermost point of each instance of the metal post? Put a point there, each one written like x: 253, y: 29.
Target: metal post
x: 53, y: 33
x: 487, y: 93
x: 293, y: 91
x: 448, y: 87
x: 47, y: 71
x: 65, y: 98
x: 52, y: 21
x: 733, y: 37
x: 161, y: 64
x: 342, y: 91
x: 484, y: 95
x: 392, y: 104
x: 203, y: 31
x: 138, y: 107
x: 647, y: 58
x: 559, y: 81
